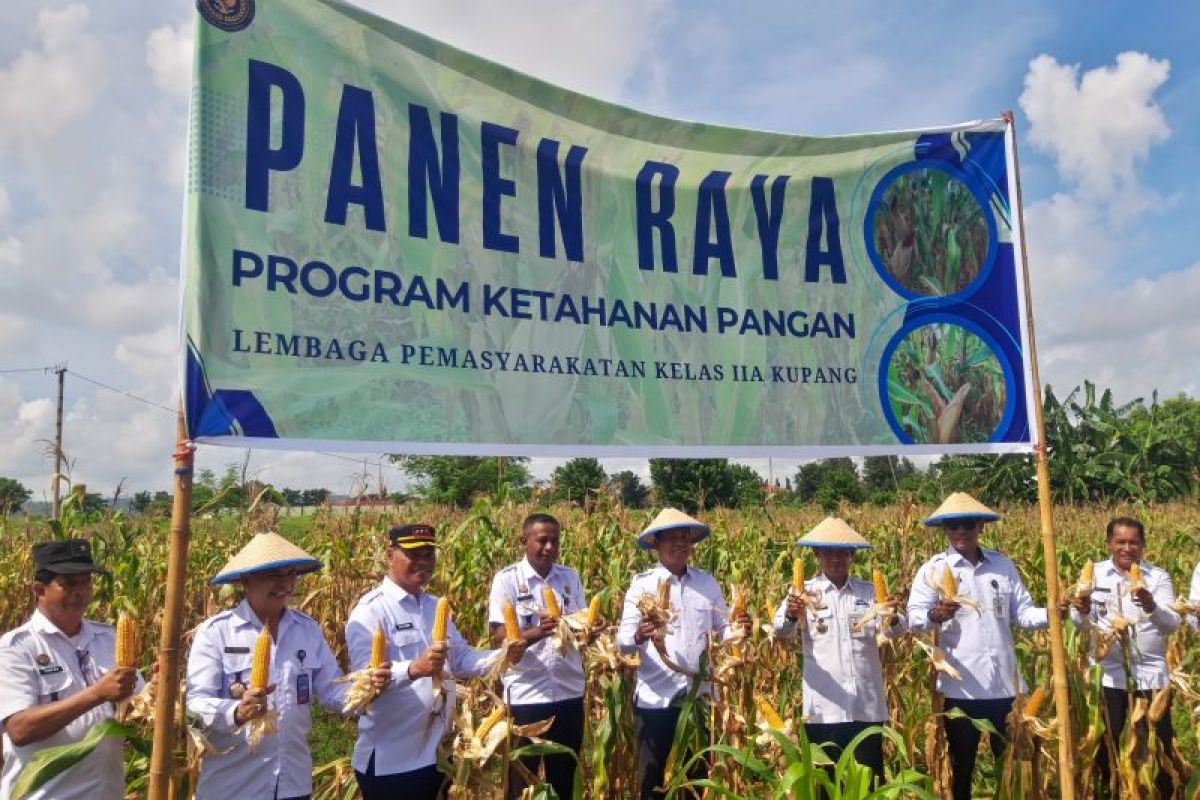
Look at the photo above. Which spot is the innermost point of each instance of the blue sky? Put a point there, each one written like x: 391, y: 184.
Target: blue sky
x: 93, y: 101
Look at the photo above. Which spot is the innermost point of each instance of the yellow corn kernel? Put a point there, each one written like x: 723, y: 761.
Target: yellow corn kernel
x: 881, y: 592
x: 798, y: 575
x: 551, y: 602
x: 768, y: 713
x: 260, y: 668
x: 490, y: 722
x: 441, y: 620
x: 126, y: 654
x: 1135, y: 576
x: 378, y: 648
x: 1034, y: 704
x: 593, y: 611
x: 739, y: 604
x: 1088, y: 576
x: 512, y: 629
x: 949, y: 584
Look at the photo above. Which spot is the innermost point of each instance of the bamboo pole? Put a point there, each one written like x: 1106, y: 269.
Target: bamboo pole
x: 161, y: 761
x: 1058, y: 654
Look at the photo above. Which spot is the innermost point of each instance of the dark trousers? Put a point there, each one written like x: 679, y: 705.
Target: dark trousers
x: 655, y: 731
x: 962, y: 738
x: 869, y: 751
x: 1116, y: 705
x: 419, y: 784
x: 567, y: 730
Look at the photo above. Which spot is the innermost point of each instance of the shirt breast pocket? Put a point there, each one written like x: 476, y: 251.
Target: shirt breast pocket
x: 235, y: 670
x: 408, y: 642
x: 860, y: 627
x: 54, y: 683
x: 699, y: 619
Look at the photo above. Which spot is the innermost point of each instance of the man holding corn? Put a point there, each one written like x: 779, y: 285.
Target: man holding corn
x: 670, y: 635
x: 395, y: 754
x: 295, y: 667
x: 840, y: 620
x: 971, y: 597
x: 1130, y: 604
x: 58, y: 678
x: 549, y: 681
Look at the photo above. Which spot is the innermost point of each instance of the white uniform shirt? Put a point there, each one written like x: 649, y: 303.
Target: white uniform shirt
x: 303, y: 669
x: 39, y: 665
x: 1148, y: 637
x: 544, y: 675
x: 1194, y: 596
x: 843, y: 676
x: 979, y: 644
x: 402, y: 730
x: 700, y: 607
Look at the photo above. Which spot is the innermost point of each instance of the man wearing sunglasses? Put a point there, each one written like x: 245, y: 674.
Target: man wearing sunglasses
x: 57, y: 679
x: 976, y: 635
x: 303, y: 670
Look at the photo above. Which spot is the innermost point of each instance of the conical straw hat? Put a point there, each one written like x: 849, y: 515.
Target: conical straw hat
x: 266, y: 551
x: 670, y: 519
x: 961, y: 505
x: 834, y: 532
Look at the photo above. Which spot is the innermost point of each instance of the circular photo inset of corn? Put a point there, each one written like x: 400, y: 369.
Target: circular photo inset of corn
x: 930, y: 232
x: 945, y: 385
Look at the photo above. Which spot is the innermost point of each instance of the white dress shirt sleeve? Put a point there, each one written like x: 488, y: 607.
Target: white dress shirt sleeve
x: 1021, y: 608
x: 921, y: 599
x: 330, y: 693
x: 630, y: 617
x: 464, y: 660
x: 720, y: 613
x: 18, y: 684
x: 496, y: 599
x: 1165, y: 618
x: 205, y: 682
x: 577, y: 596
x: 784, y: 628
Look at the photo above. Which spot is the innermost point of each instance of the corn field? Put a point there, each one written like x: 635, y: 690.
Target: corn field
x: 753, y: 729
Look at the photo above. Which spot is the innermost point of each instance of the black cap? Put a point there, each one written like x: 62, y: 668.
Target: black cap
x: 69, y: 557
x: 413, y: 535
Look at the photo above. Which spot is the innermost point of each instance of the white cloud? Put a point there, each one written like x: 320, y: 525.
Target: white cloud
x: 47, y: 89
x: 1100, y: 125
x: 169, y: 56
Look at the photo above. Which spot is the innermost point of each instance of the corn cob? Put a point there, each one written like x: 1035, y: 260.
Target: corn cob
x: 1034, y: 704
x: 378, y: 648
x: 551, y: 602
x: 769, y: 714
x: 593, y: 611
x: 798, y: 575
x: 260, y: 669
x: 881, y: 592
x: 739, y: 604
x: 1087, y: 577
x: 126, y: 655
x: 441, y: 620
x: 949, y: 586
x: 512, y: 629
x: 1135, y: 577
x: 490, y: 722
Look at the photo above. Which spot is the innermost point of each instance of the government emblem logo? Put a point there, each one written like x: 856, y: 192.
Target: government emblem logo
x: 228, y: 15
x: 43, y: 659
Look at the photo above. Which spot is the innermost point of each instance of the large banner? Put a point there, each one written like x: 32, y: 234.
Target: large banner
x: 393, y: 245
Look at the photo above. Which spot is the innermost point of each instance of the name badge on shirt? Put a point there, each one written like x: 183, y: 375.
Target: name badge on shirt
x: 524, y: 597
x: 237, y: 650
x: 53, y: 669
x: 303, y: 688
x: 404, y: 626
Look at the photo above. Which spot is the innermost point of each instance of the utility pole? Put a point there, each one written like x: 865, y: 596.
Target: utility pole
x: 61, y: 371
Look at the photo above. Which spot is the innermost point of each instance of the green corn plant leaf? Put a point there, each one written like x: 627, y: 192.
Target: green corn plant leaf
x: 54, y: 761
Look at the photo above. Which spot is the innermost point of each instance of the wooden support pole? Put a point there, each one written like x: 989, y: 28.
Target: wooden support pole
x: 56, y: 491
x: 1058, y: 653
x: 161, y: 761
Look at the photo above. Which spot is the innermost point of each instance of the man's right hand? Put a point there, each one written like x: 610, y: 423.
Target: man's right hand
x: 645, y: 631
x: 429, y: 663
x: 116, y: 684
x: 546, y: 627
x: 252, y: 705
x: 943, y: 612
x: 795, y: 606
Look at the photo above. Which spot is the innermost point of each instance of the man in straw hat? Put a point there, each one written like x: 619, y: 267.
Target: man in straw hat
x: 839, y: 620
x: 302, y: 668
x: 697, y: 608
x: 395, y: 754
x: 549, y: 681
x: 58, y: 679
x: 1135, y: 610
x: 973, y: 624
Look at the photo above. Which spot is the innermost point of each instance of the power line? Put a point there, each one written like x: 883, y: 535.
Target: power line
x: 26, y: 369
x: 122, y: 391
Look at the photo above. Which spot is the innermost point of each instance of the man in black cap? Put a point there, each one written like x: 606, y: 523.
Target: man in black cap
x: 57, y: 679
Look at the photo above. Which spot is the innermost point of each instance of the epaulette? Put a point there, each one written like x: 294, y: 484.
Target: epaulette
x: 302, y: 615
x: 369, y: 596
x: 12, y: 637
x: 220, y: 616
x: 644, y: 574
